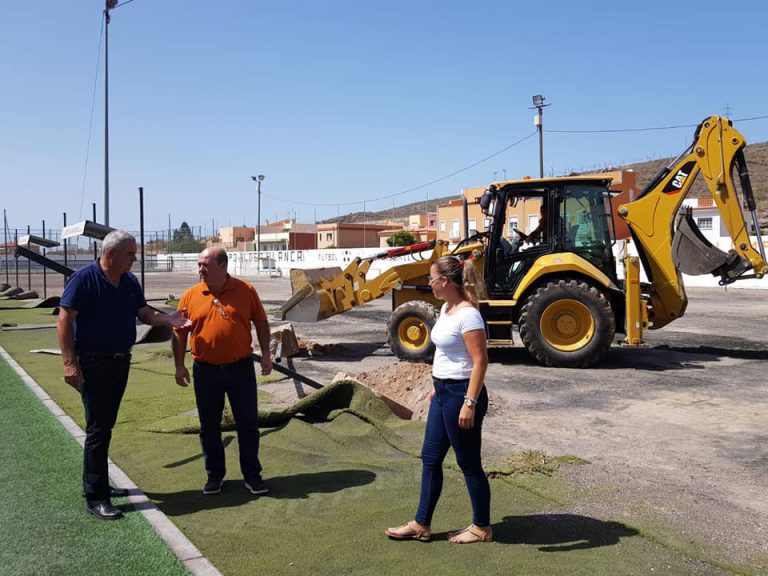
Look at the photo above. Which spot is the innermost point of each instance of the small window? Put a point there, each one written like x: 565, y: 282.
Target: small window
x: 533, y: 222
x: 455, y: 234
x: 472, y: 226
x: 512, y: 225
x: 442, y: 225
x: 329, y: 236
x: 704, y: 223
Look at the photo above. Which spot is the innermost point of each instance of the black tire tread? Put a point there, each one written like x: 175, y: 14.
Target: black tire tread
x: 427, y: 313
x: 537, y: 346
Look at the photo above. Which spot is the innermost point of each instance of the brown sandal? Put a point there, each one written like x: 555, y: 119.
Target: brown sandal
x: 471, y: 534
x: 410, y: 531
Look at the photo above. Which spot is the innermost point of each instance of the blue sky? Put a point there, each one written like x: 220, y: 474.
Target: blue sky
x: 339, y: 102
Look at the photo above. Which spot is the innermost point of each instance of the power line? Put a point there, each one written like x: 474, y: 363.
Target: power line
x: 649, y: 129
x: 419, y: 187
x: 90, y: 124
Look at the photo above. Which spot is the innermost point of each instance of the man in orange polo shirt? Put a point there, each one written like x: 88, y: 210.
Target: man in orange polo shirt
x: 221, y: 309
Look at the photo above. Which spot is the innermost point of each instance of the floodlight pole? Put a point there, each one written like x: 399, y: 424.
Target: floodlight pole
x: 107, y: 7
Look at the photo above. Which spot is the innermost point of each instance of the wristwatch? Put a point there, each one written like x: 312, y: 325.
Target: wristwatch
x: 469, y: 401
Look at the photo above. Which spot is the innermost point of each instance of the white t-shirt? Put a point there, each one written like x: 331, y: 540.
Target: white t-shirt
x: 451, y: 357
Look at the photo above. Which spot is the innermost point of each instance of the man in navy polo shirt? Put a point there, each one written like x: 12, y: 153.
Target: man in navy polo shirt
x: 96, y: 330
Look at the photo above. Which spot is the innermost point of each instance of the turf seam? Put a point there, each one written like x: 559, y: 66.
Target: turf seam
x: 175, y: 539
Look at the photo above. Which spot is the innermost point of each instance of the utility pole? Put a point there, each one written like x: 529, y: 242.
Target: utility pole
x: 538, y: 121
x: 258, y: 179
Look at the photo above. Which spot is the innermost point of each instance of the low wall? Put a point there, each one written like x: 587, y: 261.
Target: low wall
x: 280, y: 263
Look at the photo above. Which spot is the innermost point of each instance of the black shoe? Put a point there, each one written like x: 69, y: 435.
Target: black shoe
x: 103, y: 510
x: 213, y: 486
x: 256, y: 486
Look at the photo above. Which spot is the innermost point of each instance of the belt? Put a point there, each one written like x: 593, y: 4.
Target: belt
x: 229, y: 366
x: 450, y: 380
x: 104, y: 355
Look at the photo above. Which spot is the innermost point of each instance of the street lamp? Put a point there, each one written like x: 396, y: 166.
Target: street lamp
x: 258, y: 179
x: 538, y: 103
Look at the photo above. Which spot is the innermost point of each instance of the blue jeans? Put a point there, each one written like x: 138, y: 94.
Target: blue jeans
x: 104, y: 381
x: 442, y: 433
x: 238, y: 381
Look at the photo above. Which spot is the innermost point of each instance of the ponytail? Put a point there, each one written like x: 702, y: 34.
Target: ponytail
x: 464, y: 276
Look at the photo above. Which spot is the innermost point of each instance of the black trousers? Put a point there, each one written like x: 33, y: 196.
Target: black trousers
x: 105, y: 378
x: 238, y: 382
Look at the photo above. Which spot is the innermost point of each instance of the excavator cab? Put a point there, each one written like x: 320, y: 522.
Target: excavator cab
x: 532, y: 219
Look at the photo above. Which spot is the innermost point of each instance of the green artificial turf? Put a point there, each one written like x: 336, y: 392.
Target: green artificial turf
x: 336, y: 485
x: 43, y: 525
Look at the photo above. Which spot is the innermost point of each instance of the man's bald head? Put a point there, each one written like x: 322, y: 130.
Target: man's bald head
x: 212, y: 267
x: 217, y: 254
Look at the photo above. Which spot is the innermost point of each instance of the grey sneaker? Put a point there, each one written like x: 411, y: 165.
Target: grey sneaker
x: 256, y: 486
x: 213, y: 486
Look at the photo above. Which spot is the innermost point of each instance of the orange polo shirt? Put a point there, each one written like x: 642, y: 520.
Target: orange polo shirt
x: 221, y: 323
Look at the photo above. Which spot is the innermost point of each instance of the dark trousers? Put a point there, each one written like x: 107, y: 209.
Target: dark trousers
x: 102, y: 390
x: 442, y: 433
x: 238, y: 382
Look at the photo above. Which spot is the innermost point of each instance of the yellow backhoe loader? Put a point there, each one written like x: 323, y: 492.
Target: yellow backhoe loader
x: 563, y: 292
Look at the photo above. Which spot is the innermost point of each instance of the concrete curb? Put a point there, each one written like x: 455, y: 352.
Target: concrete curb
x: 187, y: 552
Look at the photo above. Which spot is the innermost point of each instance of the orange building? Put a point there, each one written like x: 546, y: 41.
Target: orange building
x: 350, y: 235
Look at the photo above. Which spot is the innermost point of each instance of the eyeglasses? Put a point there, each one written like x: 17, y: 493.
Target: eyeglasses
x: 433, y: 278
x: 222, y: 310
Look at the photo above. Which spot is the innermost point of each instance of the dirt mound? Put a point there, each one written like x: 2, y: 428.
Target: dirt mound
x: 311, y: 348
x: 407, y: 383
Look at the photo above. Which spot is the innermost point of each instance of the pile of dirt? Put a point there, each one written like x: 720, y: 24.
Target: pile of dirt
x: 407, y: 383
x: 309, y: 348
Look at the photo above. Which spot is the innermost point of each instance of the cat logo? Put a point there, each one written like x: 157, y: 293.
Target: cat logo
x: 679, y: 179
x: 676, y: 184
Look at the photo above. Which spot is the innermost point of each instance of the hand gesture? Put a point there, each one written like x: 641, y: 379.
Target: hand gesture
x: 178, y: 321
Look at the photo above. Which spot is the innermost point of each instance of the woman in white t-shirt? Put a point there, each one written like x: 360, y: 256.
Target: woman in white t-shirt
x: 459, y: 402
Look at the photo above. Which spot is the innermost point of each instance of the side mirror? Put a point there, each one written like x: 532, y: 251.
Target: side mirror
x: 486, y: 200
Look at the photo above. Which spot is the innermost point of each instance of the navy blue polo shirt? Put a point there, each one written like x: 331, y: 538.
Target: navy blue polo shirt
x: 106, y: 314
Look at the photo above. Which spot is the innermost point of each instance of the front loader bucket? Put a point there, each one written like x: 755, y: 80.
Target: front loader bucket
x: 309, y: 302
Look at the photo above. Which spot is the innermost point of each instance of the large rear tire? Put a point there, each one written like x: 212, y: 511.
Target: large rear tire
x: 567, y: 324
x: 408, y: 331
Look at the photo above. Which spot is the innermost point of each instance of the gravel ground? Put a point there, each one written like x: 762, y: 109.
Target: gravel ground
x: 675, y: 433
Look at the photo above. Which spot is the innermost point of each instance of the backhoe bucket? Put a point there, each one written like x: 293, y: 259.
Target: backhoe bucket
x: 692, y: 253
x: 309, y: 302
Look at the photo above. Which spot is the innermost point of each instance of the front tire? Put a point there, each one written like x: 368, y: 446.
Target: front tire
x: 408, y: 331
x: 567, y: 324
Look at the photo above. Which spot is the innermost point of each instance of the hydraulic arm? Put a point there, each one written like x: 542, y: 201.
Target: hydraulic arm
x: 321, y: 293
x: 665, y: 251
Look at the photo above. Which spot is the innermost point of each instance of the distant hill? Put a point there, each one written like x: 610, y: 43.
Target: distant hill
x: 757, y: 163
